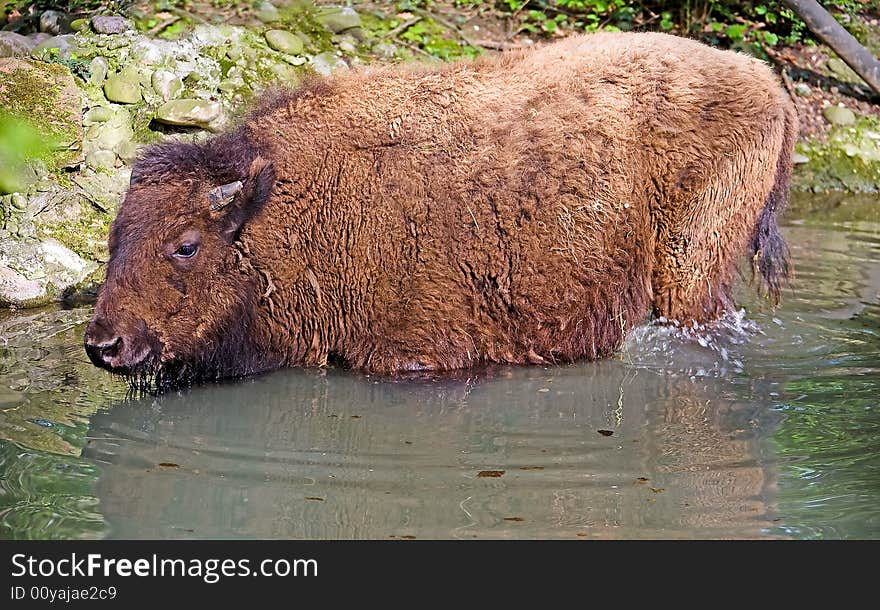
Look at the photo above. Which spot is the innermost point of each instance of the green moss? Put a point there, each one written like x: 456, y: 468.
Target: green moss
x: 849, y: 160
x: 176, y: 30
x: 86, y: 234
x: 44, y: 95
x: 376, y: 25
x: 427, y: 34
x: 301, y: 18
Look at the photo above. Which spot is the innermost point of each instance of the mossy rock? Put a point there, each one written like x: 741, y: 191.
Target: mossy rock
x: 848, y: 160
x: 45, y: 95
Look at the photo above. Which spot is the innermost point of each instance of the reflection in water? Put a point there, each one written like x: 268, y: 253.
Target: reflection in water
x: 765, y: 425
x: 328, y: 454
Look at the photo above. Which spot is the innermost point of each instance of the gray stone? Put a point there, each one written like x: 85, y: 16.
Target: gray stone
x: 101, y: 159
x: 230, y: 85
x: 839, y: 115
x: 803, y: 89
x: 189, y: 113
x: 128, y: 151
x: 166, y: 84
x: 98, y: 69
x: 123, y: 87
x: 52, y: 22
x: 98, y: 114
x: 841, y: 71
x: 307, y: 40
x: 38, y: 37
x: 267, y: 13
x: 284, y: 41
x: 18, y: 291
x: 193, y: 78
x: 12, y: 44
x: 18, y: 201
x: 110, y: 135
x: 37, y: 272
x: 345, y: 43
x: 104, y: 24
x: 326, y: 63
x: 385, y: 50
x: 284, y: 72
x: 64, y: 44
x: 339, y: 19
x: 146, y: 52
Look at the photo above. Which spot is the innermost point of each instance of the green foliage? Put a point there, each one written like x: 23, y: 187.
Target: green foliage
x: 20, y: 142
x: 749, y: 24
x: 432, y: 38
x: 78, y: 67
x: 70, y: 6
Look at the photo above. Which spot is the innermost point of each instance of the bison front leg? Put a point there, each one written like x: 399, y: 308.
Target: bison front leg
x: 388, y: 356
x: 388, y: 359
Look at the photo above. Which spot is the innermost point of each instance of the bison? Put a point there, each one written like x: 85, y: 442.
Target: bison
x: 529, y: 207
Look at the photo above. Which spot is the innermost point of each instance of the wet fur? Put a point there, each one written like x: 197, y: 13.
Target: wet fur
x: 526, y: 208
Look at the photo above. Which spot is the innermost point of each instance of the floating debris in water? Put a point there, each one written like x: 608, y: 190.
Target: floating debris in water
x: 605, y: 432
x: 494, y: 474
x: 45, y: 423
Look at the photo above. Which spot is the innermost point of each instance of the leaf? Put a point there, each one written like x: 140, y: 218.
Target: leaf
x: 735, y: 32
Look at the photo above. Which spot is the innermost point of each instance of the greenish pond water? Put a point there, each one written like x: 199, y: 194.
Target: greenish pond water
x: 766, y: 426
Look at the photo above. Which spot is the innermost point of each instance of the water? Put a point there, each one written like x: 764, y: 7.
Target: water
x: 765, y: 426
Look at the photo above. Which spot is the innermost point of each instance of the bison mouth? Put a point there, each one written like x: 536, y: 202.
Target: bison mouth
x: 147, y: 373
x: 132, y: 352
x: 136, y: 357
x: 153, y: 376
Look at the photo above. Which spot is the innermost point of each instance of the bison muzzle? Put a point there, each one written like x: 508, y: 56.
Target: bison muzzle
x: 530, y: 207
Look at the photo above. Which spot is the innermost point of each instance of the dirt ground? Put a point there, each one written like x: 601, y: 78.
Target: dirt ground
x: 803, y: 68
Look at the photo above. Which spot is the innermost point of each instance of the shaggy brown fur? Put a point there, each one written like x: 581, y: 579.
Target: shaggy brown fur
x: 524, y: 208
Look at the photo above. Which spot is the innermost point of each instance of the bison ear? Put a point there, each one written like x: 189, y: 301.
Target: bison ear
x: 237, y: 203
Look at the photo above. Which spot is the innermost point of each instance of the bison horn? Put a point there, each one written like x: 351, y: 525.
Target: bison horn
x: 222, y: 196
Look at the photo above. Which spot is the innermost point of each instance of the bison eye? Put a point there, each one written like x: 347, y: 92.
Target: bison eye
x: 186, y: 251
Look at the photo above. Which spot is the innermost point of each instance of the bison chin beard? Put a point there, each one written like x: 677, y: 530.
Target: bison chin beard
x: 235, y: 354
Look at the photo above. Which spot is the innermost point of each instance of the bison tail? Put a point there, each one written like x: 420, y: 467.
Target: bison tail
x: 770, y: 254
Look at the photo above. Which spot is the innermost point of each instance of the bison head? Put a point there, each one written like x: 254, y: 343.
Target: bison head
x: 177, y: 302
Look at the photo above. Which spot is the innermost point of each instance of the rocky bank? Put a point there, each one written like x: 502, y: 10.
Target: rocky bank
x: 98, y: 89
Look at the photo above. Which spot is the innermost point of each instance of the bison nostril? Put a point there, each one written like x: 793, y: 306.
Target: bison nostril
x: 102, y: 350
x: 111, y: 347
